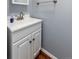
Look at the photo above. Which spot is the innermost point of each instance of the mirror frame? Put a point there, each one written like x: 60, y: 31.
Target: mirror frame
x: 19, y: 3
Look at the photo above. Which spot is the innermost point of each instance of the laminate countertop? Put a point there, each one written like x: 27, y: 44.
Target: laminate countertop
x: 18, y: 24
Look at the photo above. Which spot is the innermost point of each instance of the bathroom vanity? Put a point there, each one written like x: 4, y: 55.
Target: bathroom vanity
x: 24, y: 38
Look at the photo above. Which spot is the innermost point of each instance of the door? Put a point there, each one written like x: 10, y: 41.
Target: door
x: 37, y: 41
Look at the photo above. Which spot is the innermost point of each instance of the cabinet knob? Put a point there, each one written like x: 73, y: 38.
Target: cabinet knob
x: 55, y: 1
x: 30, y: 42
x: 33, y: 39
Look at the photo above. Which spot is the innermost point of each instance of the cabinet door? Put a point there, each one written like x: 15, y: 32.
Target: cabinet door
x: 25, y: 50
x: 37, y: 41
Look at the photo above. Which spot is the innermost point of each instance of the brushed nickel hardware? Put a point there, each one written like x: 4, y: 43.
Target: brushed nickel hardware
x: 54, y: 1
x: 33, y: 39
x: 30, y: 42
x: 21, y: 16
x: 38, y: 3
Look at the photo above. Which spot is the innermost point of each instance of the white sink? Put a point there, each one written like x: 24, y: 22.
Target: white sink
x: 18, y: 24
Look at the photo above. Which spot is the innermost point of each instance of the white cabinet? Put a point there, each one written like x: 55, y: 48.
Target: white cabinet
x: 26, y: 42
x: 28, y: 47
x: 21, y: 2
x: 23, y: 49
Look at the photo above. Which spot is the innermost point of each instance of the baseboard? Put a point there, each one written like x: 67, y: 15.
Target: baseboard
x: 37, y: 53
x: 49, y: 54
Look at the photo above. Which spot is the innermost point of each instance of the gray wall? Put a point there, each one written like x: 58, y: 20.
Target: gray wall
x: 16, y: 9
x: 57, y: 27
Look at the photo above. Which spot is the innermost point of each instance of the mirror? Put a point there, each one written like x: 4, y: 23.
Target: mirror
x: 21, y: 2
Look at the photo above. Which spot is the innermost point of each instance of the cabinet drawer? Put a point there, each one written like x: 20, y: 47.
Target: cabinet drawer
x: 16, y: 36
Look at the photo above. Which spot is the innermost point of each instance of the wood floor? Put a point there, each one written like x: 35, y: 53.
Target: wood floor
x: 42, y: 56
